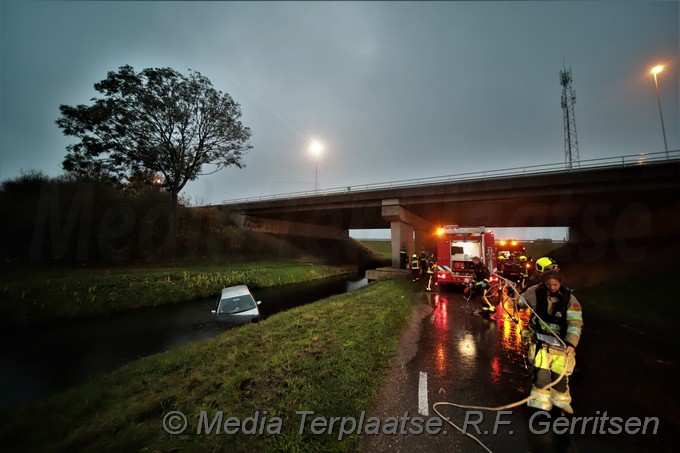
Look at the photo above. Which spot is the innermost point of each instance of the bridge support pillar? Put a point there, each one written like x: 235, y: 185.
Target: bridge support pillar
x: 401, y: 234
x: 402, y: 224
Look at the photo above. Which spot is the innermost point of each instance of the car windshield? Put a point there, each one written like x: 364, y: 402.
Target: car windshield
x: 236, y: 304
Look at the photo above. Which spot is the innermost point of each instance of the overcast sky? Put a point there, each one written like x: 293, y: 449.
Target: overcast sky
x: 395, y: 90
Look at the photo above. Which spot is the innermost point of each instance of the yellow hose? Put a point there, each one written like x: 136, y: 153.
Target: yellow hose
x: 506, y: 406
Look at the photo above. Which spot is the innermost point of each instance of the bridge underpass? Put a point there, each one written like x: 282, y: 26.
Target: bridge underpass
x: 618, y: 202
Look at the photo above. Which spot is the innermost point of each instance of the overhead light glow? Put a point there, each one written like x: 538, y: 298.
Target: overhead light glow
x: 315, y: 147
x: 657, y: 69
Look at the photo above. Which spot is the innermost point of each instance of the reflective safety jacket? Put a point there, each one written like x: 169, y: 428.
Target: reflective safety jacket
x: 415, y: 262
x: 524, y: 269
x: 561, y: 313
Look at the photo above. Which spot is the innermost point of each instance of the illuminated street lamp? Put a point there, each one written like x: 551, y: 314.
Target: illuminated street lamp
x: 315, y: 147
x: 655, y: 70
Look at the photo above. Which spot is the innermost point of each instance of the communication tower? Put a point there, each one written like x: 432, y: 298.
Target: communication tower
x: 571, y: 157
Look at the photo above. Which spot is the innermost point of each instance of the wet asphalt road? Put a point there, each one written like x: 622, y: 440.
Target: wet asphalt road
x: 477, y: 360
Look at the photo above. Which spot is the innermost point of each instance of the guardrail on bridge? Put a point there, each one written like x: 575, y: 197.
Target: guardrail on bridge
x: 532, y: 170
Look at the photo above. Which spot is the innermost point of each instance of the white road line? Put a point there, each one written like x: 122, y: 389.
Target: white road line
x: 423, y: 407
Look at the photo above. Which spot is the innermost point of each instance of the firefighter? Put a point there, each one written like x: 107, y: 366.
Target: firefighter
x: 481, y: 278
x: 542, y: 265
x: 562, y: 316
x: 403, y: 257
x: 431, y: 272
x: 423, y: 263
x: 501, y: 258
x: 415, y: 269
x: 523, y: 272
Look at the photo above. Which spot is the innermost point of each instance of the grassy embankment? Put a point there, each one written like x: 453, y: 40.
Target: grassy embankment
x: 632, y: 290
x: 381, y: 248
x: 537, y: 249
x: 328, y: 357
x: 33, y: 296
x: 646, y: 305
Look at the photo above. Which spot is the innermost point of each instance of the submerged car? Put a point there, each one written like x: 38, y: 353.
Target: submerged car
x: 237, y: 305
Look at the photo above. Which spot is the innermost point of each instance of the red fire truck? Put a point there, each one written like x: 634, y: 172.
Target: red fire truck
x: 510, y: 266
x: 455, y: 248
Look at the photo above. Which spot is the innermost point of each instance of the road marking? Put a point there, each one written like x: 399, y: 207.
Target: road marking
x: 423, y: 407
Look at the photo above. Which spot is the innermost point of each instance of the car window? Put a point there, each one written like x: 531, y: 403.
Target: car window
x: 236, y: 304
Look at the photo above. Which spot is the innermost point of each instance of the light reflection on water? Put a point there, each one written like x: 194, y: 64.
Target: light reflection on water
x: 498, y: 334
x: 467, y: 346
x: 442, y: 331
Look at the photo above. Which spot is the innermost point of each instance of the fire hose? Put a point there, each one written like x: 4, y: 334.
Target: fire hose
x: 510, y: 405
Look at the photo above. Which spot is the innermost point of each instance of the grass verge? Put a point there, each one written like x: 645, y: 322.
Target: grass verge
x: 328, y: 357
x: 646, y: 304
x: 381, y: 248
x: 33, y: 296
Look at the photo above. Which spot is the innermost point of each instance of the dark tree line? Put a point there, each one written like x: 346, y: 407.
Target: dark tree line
x: 61, y: 220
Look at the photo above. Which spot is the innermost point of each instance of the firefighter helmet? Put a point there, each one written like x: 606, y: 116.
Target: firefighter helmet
x: 522, y: 258
x: 545, y: 263
x: 501, y: 257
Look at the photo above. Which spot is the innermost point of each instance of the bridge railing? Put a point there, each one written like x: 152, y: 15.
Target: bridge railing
x: 531, y: 170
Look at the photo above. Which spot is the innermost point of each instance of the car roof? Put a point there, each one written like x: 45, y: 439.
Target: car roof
x: 234, y: 291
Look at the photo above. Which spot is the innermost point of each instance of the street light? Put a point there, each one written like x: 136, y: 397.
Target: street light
x: 315, y: 147
x: 655, y: 70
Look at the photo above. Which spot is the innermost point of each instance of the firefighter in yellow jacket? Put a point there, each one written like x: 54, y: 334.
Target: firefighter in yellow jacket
x: 415, y: 267
x: 523, y: 272
x: 432, y: 269
x: 562, y: 317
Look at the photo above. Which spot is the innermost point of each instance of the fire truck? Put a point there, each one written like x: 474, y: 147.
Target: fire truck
x: 455, y: 248
x: 510, y: 266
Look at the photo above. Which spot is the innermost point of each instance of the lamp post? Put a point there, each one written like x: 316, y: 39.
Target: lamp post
x: 315, y: 147
x: 655, y: 70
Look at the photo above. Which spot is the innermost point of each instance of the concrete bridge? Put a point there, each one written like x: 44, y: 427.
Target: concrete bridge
x: 622, y: 198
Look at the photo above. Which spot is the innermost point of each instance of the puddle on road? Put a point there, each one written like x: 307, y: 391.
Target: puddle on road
x: 461, y: 347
